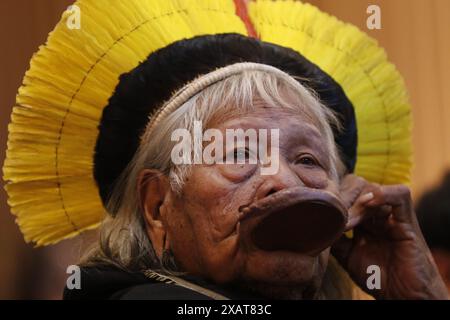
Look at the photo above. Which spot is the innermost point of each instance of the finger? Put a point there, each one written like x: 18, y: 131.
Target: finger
x: 350, y: 189
x: 371, y: 218
x: 357, y: 211
x: 399, y: 198
x: 376, y: 220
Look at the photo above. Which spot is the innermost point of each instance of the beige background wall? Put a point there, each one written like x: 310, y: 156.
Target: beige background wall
x: 415, y: 33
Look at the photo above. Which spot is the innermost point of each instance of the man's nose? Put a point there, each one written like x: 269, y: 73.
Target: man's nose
x: 285, y: 178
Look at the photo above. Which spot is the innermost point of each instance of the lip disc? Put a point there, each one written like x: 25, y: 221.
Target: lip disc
x: 308, y: 221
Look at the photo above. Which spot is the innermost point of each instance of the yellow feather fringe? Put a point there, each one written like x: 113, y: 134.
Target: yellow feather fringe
x: 53, y: 126
x: 360, y: 66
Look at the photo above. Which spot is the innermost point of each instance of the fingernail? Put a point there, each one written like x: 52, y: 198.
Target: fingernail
x: 244, y: 209
x: 367, y: 197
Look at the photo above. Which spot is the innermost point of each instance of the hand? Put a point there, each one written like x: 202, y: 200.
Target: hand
x: 386, y: 233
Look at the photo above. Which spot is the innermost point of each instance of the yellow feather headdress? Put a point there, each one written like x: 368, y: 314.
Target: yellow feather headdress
x: 54, y: 124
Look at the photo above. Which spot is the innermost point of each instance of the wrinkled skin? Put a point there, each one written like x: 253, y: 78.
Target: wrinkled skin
x: 204, y: 226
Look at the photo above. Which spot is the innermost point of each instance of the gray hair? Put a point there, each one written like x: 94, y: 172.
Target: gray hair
x: 123, y: 238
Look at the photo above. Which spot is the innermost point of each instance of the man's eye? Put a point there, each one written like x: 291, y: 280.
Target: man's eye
x: 241, y: 153
x: 307, y: 160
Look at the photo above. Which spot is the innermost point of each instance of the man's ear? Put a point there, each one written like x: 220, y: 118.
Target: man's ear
x: 153, y: 187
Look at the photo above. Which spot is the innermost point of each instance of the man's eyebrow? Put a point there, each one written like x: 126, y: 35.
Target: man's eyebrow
x: 314, y: 140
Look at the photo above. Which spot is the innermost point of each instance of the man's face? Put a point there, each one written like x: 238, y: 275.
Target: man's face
x: 210, y: 236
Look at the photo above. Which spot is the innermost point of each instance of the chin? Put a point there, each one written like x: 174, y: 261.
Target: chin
x: 284, y: 274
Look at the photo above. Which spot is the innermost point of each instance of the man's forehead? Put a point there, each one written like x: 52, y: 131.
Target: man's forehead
x: 288, y: 123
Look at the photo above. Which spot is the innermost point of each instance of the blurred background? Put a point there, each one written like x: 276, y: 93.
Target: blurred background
x: 415, y: 34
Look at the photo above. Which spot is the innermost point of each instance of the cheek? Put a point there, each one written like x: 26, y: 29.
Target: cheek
x: 204, y: 221
x: 181, y: 234
x: 214, y: 198
x: 209, y: 205
x: 200, y: 246
x: 194, y: 248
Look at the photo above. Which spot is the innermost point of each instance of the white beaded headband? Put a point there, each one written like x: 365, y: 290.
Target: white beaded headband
x: 201, y: 83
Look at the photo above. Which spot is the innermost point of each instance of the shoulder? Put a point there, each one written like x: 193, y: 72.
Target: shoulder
x: 108, y: 282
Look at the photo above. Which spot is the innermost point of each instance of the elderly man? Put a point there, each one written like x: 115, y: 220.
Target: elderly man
x: 223, y: 222
x: 225, y: 164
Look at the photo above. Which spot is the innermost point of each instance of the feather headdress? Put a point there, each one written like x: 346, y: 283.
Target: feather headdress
x: 54, y: 124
